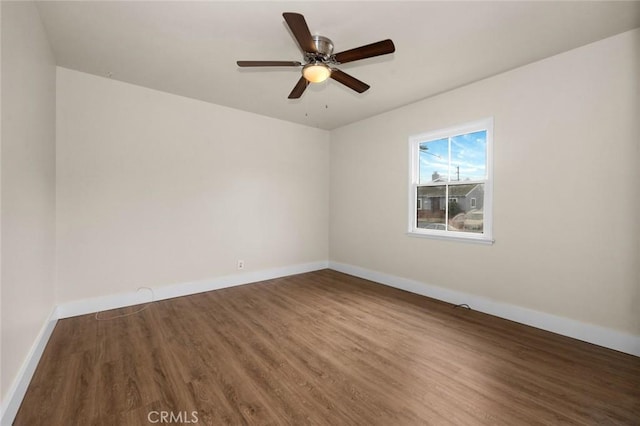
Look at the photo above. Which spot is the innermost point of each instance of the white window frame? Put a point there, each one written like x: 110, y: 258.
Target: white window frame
x: 419, y: 203
x: 486, y: 237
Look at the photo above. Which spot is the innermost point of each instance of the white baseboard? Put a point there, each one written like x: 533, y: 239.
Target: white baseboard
x: 97, y: 304
x: 12, y: 400
x: 595, y: 334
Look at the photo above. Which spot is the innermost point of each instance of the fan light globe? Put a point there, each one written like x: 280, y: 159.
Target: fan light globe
x: 316, y: 72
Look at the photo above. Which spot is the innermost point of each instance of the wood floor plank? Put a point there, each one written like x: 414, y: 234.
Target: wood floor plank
x: 323, y: 348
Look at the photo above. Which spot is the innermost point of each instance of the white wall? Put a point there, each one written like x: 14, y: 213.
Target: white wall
x: 155, y: 189
x: 566, y: 196
x: 28, y: 184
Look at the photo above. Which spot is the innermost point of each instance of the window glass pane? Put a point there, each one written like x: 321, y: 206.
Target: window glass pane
x: 434, y: 161
x: 432, y: 201
x: 466, y: 208
x: 469, y: 156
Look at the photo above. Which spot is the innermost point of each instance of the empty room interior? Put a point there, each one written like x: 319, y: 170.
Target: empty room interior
x: 322, y: 213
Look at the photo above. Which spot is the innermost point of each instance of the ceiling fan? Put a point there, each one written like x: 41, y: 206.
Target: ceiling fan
x: 319, y: 58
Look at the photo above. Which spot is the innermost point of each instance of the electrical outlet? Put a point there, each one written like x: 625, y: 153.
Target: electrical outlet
x: 240, y: 264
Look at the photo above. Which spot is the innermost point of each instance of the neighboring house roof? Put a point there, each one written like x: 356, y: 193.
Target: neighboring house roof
x: 461, y: 190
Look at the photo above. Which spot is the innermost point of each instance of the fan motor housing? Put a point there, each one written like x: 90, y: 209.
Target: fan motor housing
x: 324, y: 46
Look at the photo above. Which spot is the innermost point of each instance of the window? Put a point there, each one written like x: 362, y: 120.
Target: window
x: 450, y: 191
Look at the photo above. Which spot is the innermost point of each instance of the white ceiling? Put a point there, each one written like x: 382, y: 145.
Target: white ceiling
x: 190, y: 48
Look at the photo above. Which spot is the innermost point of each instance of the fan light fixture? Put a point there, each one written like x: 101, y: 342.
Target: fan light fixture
x: 316, y: 72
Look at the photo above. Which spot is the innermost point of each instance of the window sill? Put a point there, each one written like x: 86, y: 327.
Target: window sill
x: 437, y: 236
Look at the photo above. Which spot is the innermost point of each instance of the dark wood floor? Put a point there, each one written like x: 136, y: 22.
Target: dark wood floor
x: 324, y: 348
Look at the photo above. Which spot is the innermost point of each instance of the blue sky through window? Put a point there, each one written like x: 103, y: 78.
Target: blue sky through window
x: 468, y: 158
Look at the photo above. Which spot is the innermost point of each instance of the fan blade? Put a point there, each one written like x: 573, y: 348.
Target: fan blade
x: 297, y: 91
x: 349, y: 81
x: 300, y: 31
x: 268, y: 64
x: 369, y: 51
